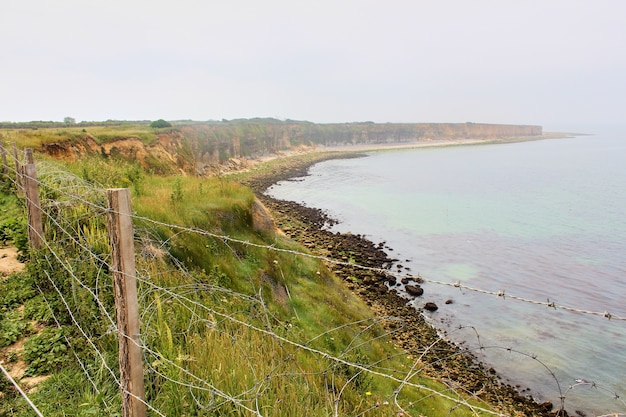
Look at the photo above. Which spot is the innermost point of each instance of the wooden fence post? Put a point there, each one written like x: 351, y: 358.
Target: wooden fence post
x: 33, y: 205
x: 28, y: 156
x: 18, y: 170
x: 5, y: 165
x: 120, y: 227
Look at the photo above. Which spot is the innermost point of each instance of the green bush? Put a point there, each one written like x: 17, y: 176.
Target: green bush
x: 12, y: 327
x: 14, y: 229
x: 45, y: 352
x: 157, y: 124
x: 16, y: 289
x: 37, y: 309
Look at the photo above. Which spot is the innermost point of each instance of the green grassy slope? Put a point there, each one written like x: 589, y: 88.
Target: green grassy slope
x: 235, y: 321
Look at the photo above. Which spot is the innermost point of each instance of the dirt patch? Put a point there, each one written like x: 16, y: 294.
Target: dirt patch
x: 11, y: 360
x: 9, y: 261
x: 11, y: 356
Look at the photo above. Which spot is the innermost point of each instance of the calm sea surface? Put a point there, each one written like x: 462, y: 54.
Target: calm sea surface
x: 543, y: 220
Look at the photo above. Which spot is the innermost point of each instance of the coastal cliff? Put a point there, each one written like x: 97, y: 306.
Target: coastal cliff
x: 186, y: 147
x: 202, y: 147
x: 373, y: 133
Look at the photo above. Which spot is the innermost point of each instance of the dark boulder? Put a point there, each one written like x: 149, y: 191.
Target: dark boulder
x: 414, y: 290
x: 430, y: 306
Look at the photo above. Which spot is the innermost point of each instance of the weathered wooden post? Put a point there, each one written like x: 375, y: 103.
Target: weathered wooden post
x: 28, y: 156
x: 5, y: 165
x: 126, y: 305
x: 33, y: 206
x: 18, y: 170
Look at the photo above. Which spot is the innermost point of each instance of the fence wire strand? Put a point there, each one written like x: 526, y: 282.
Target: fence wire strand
x: 73, y: 190
x: 503, y: 294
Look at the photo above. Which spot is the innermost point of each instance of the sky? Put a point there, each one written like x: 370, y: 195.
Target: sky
x: 548, y: 62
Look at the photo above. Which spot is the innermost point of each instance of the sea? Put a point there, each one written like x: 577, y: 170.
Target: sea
x: 522, y: 246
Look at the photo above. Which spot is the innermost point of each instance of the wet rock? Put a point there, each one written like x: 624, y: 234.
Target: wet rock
x: 430, y: 306
x: 414, y: 290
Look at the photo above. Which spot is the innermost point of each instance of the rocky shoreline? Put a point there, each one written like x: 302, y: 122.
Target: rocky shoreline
x: 447, y: 362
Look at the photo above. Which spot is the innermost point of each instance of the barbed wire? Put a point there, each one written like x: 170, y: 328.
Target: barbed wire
x: 112, y: 324
x: 382, y: 271
x: 20, y: 391
x: 562, y: 393
x: 177, y: 295
x: 180, y: 291
x: 76, y: 356
x: 95, y: 348
x: 207, y: 386
x: 320, y: 353
x: 501, y: 294
x: 68, y: 268
x: 145, y: 347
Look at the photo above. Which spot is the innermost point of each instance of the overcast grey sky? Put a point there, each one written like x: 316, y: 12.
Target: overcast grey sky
x: 548, y: 62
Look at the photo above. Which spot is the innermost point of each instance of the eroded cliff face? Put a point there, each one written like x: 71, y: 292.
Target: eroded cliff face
x: 164, y: 156
x: 201, y: 148
x: 364, y: 133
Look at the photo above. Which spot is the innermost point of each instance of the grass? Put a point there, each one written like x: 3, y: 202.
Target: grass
x: 230, y: 327
x: 35, y: 138
x: 299, y: 299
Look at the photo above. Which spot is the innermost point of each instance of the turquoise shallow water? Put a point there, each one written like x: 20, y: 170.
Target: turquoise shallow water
x: 543, y: 220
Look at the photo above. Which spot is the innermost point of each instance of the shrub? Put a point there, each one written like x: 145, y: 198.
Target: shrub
x: 15, y: 229
x: 160, y: 123
x: 45, y: 352
x: 12, y: 327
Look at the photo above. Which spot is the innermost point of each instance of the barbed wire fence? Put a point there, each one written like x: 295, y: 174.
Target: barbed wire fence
x: 70, y: 205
